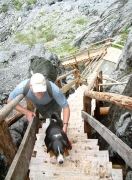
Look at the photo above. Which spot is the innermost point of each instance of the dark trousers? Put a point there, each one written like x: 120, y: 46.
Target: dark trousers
x: 47, y: 110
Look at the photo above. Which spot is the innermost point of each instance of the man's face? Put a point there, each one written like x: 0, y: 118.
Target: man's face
x: 39, y: 95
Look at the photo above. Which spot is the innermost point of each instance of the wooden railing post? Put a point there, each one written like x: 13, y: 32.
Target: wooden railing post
x: 6, y: 142
x: 100, y: 81
x: 76, y: 75
x: 97, y: 109
x: 87, y: 108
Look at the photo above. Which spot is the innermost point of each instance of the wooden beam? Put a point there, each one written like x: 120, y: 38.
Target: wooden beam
x: 6, y: 143
x: 65, y: 75
x: 20, y: 164
x: 117, y: 144
x: 109, y: 79
x: 14, y: 118
x: 87, y: 108
x: 65, y: 88
x: 120, y: 100
x: 5, y: 111
x: 110, y: 84
x: 104, y: 110
x: 92, y: 79
x: 76, y: 75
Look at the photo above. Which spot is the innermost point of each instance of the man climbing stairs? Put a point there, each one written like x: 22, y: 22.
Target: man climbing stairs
x: 86, y: 161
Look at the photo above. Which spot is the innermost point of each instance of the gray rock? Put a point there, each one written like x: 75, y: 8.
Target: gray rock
x: 129, y: 175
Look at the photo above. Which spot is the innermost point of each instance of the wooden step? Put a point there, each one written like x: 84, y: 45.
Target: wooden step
x: 75, y: 147
x: 75, y: 167
x: 41, y: 136
x: 60, y: 176
x: 101, y: 156
x: 73, y: 139
x: 117, y: 174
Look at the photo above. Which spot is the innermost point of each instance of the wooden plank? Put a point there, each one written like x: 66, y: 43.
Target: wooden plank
x: 104, y: 110
x: 6, y: 142
x: 5, y: 111
x: 117, y: 144
x: 65, y: 75
x: 120, y: 100
x: 110, y: 84
x: 65, y: 88
x: 14, y: 118
x: 20, y: 164
x: 60, y: 176
x: 89, y: 167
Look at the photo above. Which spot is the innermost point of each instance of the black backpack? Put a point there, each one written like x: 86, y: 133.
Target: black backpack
x: 45, y: 67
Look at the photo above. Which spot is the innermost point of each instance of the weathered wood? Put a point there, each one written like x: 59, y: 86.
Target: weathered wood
x: 5, y: 111
x: 65, y: 88
x: 117, y: 144
x: 109, y: 79
x: 87, y: 108
x: 14, y: 118
x: 76, y: 75
x: 97, y: 106
x: 99, y: 66
x: 6, y: 143
x: 20, y: 164
x: 65, y: 75
x: 100, y: 81
x: 110, y: 84
x: 91, y: 80
x: 103, y: 41
x: 120, y: 100
x: 104, y: 110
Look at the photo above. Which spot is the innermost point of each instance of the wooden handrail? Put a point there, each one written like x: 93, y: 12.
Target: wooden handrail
x: 65, y: 88
x: 117, y: 144
x: 65, y: 75
x: 20, y: 164
x: 120, y: 100
x: 109, y: 84
x: 5, y: 111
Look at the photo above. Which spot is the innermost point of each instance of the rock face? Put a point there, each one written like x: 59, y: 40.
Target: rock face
x: 113, y: 20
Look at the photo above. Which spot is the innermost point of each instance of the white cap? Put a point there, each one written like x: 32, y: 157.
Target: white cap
x: 38, y: 83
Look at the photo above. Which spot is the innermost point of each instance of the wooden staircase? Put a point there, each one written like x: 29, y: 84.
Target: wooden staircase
x: 86, y: 161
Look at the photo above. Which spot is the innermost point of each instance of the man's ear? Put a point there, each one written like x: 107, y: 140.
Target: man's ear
x: 30, y: 86
x: 49, y: 148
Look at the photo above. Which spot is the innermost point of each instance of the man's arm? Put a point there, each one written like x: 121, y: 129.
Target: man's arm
x: 66, y: 116
x: 23, y: 110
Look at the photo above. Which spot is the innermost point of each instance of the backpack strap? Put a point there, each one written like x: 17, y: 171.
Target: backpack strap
x: 49, y: 89
x: 26, y: 88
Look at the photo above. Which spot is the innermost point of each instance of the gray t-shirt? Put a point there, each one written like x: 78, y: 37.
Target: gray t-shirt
x: 56, y: 92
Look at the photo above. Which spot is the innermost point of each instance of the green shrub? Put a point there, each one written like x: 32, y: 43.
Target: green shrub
x: 80, y: 21
x: 29, y: 38
x: 30, y: 2
x: 4, y: 8
x: 67, y: 48
x: 17, y: 4
x: 124, y: 34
